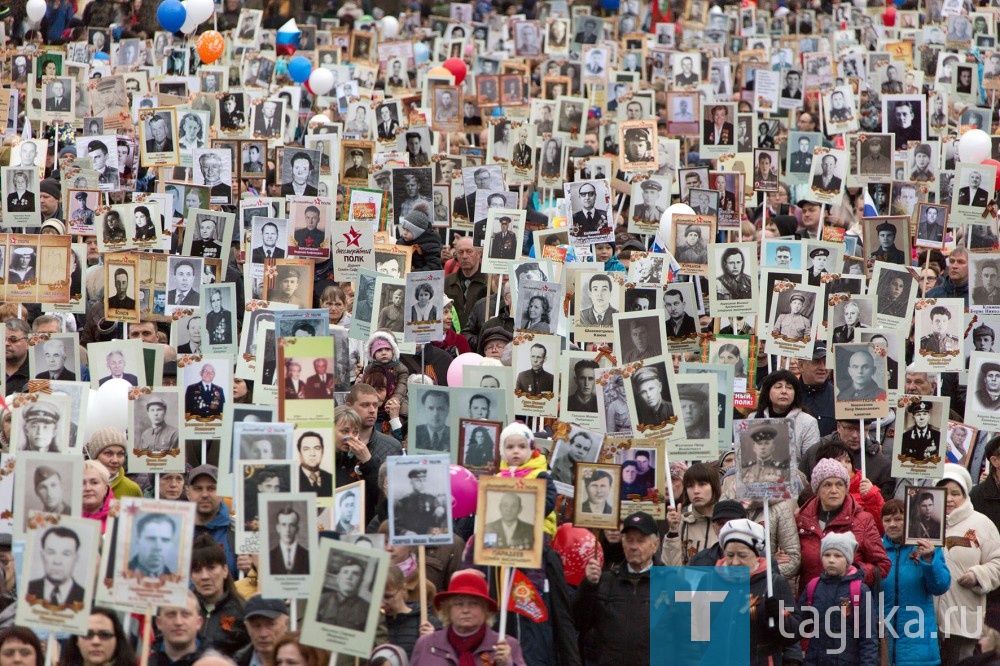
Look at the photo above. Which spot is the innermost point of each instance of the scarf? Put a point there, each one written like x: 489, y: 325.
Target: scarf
x: 408, y: 566
x: 466, y: 645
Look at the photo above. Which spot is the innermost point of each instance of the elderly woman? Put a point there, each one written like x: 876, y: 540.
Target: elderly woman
x: 97, y: 495
x: 289, y: 652
x: 20, y: 647
x: 771, y: 630
x: 833, y: 510
x: 104, y: 644
x: 107, y: 446
x: 467, y: 611
x: 172, y: 487
x: 973, y: 558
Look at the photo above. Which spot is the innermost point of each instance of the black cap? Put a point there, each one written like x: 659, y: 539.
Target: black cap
x: 819, y: 351
x: 259, y: 606
x: 728, y: 510
x: 207, y: 470
x: 642, y: 521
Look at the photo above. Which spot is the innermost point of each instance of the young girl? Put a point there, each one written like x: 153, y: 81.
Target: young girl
x: 519, y: 458
x: 386, y: 374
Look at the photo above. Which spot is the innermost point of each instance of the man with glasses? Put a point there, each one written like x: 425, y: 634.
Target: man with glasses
x: 589, y: 219
x: 16, y: 355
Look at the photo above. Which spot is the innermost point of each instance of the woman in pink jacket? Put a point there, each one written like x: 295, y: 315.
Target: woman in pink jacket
x: 467, y: 611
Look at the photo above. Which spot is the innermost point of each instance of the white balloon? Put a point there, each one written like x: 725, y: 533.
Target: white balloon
x: 974, y: 146
x: 667, y: 217
x: 202, y: 10
x: 716, y: 9
x: 390, y: 27
x: 108, y: 406
x: 191, y: 21
x: 35, y: 10
x: 321, y: 81
x: 319, y: 119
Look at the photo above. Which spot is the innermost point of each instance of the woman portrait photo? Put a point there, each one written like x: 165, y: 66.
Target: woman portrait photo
x: 423, y: 309
x: 114, y: 228
x: 536, y: 315
x: 192, y: 132
x: 145, y: 230
x: 551, y: 162
x: 480, y: 449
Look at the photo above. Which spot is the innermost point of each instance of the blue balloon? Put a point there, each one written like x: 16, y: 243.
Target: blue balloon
x: 611, y: 5
x: 421, y: 52
x: 171, y: 15
x: 299, y: 68
x: 101, y: 55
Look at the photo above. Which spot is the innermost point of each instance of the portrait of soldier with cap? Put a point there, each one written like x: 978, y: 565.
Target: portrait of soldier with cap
x: 793, y: 324
x: 939, y: 340
x: 650, y: 210
x: 874, y: 155
x: 761, y: 459
x: 49, y: 489
x: 983, y: 337
x: 922, y: 441
x: 694, y: 410
x: 357, y: 169
x: 887, y: 250
x: 419, y: 512
x: 652, y: 397
x: 342, y: 604
x: 82, y: 215
x: 503, y: 244
x: 286, y: 285
x: 818, y: 258
x: 160, y: 437
x: 988, y: 387
x: 922, y: 171
x: 40, y: 426
x: 639, y: 145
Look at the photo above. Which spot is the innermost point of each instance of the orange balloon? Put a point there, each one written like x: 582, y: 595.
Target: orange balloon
x: 211, y: 45
x: 439, y: 71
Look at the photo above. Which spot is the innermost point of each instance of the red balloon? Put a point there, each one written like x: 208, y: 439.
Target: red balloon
x: 576, y: 546
x: 994, y: 163
x: 458, y: 69
x: 889, y: 16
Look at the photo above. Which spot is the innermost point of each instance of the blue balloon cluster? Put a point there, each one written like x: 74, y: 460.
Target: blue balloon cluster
x: 299, y: 68
x: 171, y: 14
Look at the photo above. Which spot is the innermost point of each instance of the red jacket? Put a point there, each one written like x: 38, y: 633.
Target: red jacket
x: 852, y: 517
x: 872, y: 502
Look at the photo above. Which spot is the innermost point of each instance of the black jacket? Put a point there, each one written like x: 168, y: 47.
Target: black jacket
x: 610, y: 610
x: 223, y: 628
x: 404, y: 629
x: 426, y: 251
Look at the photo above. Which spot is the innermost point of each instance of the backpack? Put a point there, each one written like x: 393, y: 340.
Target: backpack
x: 855, y: 588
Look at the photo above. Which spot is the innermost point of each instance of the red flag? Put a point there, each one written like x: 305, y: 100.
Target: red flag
x: 524, y: 599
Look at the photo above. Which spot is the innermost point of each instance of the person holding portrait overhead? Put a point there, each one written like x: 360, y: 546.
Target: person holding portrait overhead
x: 59, y: 553
x: 288, y: 557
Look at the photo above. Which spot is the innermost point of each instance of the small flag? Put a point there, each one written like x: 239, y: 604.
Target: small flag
x: 870, y: 210
x: 525, y: 600
x: 287, y: 38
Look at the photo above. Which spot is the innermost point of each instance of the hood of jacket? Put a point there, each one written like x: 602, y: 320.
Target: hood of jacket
x: 388, y: 337
x: 959, y: 514
x: 535, y: 465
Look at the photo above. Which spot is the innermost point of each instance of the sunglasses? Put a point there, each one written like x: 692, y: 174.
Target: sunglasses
x: 103, y: 635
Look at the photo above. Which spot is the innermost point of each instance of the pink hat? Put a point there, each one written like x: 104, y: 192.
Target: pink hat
x: 825, y: 469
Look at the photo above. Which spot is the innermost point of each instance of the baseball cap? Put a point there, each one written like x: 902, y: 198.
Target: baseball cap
x: 642, y: 521
x: 207, y: 470
x: 270, y: 608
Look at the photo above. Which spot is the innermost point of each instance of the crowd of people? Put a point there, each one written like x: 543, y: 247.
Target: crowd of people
x: 727, y: 273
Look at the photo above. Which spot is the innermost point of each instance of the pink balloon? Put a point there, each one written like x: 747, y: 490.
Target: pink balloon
x: 455, y: 369
x: 464, y: 492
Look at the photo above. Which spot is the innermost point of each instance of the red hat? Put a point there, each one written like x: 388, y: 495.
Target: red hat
x: 469, y: 583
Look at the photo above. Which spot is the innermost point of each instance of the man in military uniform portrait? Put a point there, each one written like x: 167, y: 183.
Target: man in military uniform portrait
x: 873, y: 158
x: 311, y: 236
x: 418, y: 512
x: 887, y: 250
x: 988, y: 387
x: 764, y: 467
x: 49, y: 489
x: 922, y: 440
x: 509, y: 531
x: 204, y: 399
x: 82, y: 215
x: 503, y: 245
x: 536, y: 379
x: 923, y: 522
x: 41, y: 423
x: 939, y: 341
x: 357, y: 168
x: 861, y: 374
x: 649, y: 211
x: 652, y: 407
x: 839, y: 111
x: 218, y: 321
x: 342, y: 606
x: 802, y: 158
x: 818, y: 258
x: 160, y: 436
x: 793, y: 324
x: 922, y: 171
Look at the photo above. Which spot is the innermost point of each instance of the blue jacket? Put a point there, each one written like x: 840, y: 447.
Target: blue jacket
x: 826, y: 649
x: 613, y: 264
x: 945, y: 288
x: 220, y: 530
x: 913, y: 584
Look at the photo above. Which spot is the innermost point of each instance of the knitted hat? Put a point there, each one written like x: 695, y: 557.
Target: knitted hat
x: 104, y: 438
x: 825, y: 469
x: 517, y: 429
x: 959, y: 475
x: 51, y: 187
x: 416, y: 222
x: 379, y: 343
x: 744, y: 531
x: 844, y: 543
x: 53, y: 223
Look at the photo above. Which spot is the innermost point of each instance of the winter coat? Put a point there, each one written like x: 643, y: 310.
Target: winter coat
x: 435, y: 650
x: 784, y: 532
x: 972, y: 544
x: 221, y: 530
x: 912, y: 583
x: 805, y: 430
x: 696, y: 535
x: 878, y: 465
x: 860, y: 649
x: 223, y: 627
x: 986, y: 500
x: 871, y: 502
x: 124, y: 487
x: 870, y: 555
x: 616, y: 609
x: 404, y: 628
x: 426, y: 251
x: 945, y: 288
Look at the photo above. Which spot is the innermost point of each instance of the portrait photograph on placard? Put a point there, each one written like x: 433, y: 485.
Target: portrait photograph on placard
x: 417, y: 513
x: 509, y: 521
x: 597, y: 498
x: 153, y: 562
x: 925, y: 515
x: 288, y: 526
x: 862, y: 385
x: 478, y: 445
x: 921, y: 423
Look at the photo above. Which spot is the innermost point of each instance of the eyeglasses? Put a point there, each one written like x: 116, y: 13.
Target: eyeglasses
x: 103, y: 635
x: 13, y: 339
x: 588, y: 194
